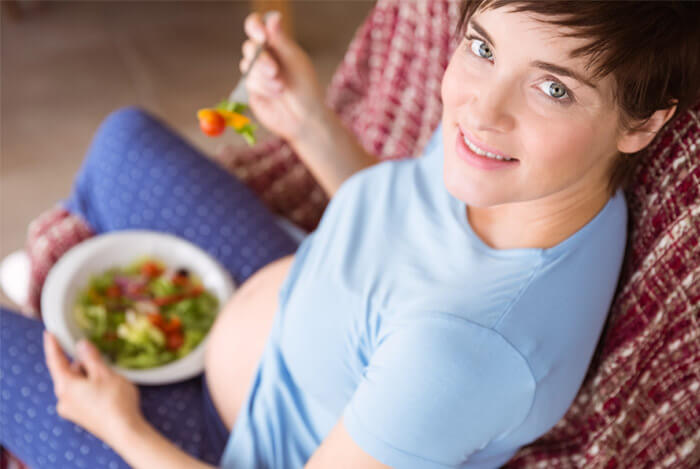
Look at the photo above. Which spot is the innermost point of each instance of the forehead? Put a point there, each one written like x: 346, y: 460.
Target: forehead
x: 507, y: 26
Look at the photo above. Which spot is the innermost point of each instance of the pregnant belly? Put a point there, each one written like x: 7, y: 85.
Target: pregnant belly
x: 238, y: 337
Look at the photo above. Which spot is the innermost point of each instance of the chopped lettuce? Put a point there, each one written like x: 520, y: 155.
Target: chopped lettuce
x: 171, y: 316
x: 161, y: 286
x: 92, y: 319
x: 139, y: 331
x: 231, y: 106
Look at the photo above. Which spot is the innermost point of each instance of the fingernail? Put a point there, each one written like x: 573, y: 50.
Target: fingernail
x: 83, y: 346
x: 259, y: 35
x: 273, y: 15
x: 270, y: 71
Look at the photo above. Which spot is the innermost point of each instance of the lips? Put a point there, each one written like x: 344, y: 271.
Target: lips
x: 478, y: 161
x: 483, y: 147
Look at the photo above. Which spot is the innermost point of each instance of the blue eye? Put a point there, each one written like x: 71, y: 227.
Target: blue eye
x: 555, y: 90
x: 481, y: 49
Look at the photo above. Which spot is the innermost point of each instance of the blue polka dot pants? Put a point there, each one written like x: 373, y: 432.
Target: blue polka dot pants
x: 138, y: 174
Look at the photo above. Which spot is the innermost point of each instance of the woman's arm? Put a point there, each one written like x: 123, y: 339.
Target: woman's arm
x: 107, y: 405
x: 330, y: 151
x: 286, y: 97
x: 144, y: 448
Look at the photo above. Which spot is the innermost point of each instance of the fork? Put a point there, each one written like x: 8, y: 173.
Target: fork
x: 240, y: 93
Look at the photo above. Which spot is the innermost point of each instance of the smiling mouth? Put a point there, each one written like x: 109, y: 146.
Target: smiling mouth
x: 483, y: 152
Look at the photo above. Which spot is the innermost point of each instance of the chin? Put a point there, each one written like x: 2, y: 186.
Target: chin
x: 471, y: 189
x: 473, y: 194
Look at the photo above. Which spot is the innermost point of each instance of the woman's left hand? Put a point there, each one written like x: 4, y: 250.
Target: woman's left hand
x: 94, y: 397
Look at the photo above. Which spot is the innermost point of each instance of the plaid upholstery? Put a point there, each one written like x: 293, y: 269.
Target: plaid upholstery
x: 49, y: 236
x: 639, y: 405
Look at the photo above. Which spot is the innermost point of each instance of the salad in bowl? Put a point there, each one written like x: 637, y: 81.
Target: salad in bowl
x: 145, y: 314
x: 146, y: 299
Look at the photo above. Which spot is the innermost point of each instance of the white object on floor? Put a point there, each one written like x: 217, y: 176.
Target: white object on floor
x: 14, y: 276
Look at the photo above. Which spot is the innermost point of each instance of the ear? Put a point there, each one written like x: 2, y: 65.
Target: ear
x: 641, y: 134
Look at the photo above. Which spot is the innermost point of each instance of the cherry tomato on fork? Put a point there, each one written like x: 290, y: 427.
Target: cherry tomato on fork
x: 211, y: 122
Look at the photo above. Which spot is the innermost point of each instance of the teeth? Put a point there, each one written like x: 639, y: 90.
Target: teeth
x: 481, y: 152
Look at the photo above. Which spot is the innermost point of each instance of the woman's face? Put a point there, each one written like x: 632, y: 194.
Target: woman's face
x: 507, y: 90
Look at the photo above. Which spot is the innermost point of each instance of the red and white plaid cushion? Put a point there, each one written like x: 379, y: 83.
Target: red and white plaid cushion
x: 638, y: 406
x: 49, y: 236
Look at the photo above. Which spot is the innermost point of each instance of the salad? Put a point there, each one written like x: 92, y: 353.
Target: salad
x: 213, y: 121
x: 145, y: 315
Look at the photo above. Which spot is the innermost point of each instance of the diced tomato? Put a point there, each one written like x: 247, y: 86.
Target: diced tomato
x: 151, y: 269
x: 174, y: 340
x: 180, y: 280
x: 113, y: 291
x: 162, y: 301
x: 196, y: 290
x: 166, y: 300
x: 173, y: 325
x: 157, y: 320
x: 170, y: 299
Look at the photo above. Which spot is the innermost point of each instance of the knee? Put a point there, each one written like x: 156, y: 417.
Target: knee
x: 121, y: 134
x: 122, y: 131
x: 128, y: 118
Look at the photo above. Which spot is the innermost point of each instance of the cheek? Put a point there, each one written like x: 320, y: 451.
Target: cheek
x: 454, y: 84
x: 447, y: 89
x: 559, y: 149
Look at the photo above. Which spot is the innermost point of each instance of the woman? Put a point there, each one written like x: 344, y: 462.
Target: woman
x: 446, y: 308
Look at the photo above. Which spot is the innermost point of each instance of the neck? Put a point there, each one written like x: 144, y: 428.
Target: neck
x: 540, y: 223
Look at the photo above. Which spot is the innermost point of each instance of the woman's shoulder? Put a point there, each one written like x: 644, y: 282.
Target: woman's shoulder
x: 473, y: 385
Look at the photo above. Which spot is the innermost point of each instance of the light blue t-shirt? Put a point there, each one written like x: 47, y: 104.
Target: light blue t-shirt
x: 435, y: 349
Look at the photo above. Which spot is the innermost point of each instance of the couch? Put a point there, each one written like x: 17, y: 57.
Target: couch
x: 639, y: 405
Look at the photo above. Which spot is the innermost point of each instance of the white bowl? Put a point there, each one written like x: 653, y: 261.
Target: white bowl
x: 117, y: 249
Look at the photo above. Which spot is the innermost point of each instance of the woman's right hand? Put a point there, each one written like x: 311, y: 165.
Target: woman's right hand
x: 284, y: 91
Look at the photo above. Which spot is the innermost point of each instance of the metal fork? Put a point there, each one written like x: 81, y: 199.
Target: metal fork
x: 240, y: 93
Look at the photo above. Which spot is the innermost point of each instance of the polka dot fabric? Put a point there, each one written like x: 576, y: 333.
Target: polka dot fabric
x: 31, y: 429
x: 138, y: 174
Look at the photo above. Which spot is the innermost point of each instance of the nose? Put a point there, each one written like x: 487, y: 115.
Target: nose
x: 490, y: 108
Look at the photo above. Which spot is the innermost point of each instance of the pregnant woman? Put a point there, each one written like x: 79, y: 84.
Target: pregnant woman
x: 445, y: 310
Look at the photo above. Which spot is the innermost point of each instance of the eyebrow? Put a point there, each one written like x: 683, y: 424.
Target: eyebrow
x: 550, y: 67
x: 563, y: 71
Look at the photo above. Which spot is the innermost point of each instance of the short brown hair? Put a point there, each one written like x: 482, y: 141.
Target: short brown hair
x: 651, y: 48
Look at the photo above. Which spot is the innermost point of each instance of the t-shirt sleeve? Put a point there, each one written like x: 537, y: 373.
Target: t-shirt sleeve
x: 436, y: 389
